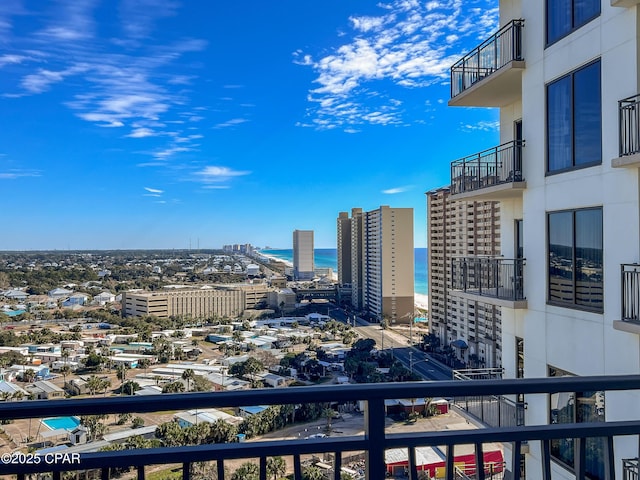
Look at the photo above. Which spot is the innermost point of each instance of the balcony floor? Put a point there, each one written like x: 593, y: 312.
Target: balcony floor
x: 499, y: 302
x: 627, y: 161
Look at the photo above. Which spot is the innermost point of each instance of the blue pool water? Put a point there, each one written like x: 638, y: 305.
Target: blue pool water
x: 68, y: 423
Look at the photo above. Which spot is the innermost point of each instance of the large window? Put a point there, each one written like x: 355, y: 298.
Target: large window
x: 577, y: 407
x: 575, y: 258
x: 564, y: 16
x: 574, y: 120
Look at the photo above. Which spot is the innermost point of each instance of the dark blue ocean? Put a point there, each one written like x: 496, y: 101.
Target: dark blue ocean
x: 328, y: 257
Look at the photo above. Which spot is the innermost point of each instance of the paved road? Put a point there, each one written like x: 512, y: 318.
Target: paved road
x: 398, y: 345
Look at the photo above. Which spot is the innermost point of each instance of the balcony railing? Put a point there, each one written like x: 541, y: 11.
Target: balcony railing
x: 631, y: 293
x: 630, y: 469
x: 502, y: 47
x: 373, y: 443
x: 490, y: 410
x: 629, y: 119
x: 495, y: 166
x: 499, y: 278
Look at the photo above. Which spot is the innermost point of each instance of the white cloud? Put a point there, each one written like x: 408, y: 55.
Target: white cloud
x: 219, y: 174
x: 410, y: 44
x: 139, y: 16
x: 483, y: 125
x: 396, y: 190
x: 153, y: 190
x: 231, y: 123
x: 17, y: 173
x: 142, y: 133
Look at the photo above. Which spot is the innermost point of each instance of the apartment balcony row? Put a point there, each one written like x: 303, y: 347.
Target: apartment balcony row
x: 493, y: 174
x: 491, y: 74
x: 498, y: 281
x: 373, y: 443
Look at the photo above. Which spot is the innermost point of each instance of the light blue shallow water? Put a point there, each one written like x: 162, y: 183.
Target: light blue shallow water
x: 68, y: 423
x: 328, y: 257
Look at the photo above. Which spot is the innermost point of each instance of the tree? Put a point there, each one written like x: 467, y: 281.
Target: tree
x: 144, y: 363
x: 129, y: 387
x: 247, y: 471
x: 65, y: 370
x: 29, y: 375
x: 137, y: 422
x: 122, y: 375
x: 173, y: 387
x: 188, y: 375
x: 276, y: 466
x: 171, y: 434
x: 312, y: 473
x: 94, y: 384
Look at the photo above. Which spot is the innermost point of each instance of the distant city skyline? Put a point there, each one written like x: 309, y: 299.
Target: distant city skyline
x: 146, y: 124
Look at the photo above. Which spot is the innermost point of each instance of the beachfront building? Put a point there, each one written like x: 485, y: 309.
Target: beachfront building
x: 459, y: 229
x: 303, y: 266
x: 343, y: 229
x: 382, y: 261
x: 565, y: 79
x: 229, y: 300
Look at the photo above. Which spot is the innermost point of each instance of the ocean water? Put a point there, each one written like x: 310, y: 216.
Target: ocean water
x: 328, y: 257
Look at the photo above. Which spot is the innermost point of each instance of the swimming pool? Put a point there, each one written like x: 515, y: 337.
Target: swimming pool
x: 68, y: 423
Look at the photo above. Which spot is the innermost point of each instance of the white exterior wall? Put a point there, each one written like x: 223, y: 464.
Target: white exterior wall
x: 580, y: 342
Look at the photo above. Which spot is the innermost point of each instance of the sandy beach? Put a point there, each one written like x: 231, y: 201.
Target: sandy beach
x: 421, y: 301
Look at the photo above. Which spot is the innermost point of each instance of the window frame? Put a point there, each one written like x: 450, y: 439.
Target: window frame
x: 571, y: 75
x: 575, y: 408
x: 573, y: 27
x: 574, y: 305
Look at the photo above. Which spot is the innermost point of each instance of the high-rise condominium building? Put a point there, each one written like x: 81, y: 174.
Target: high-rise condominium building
x: 382, y: 261
x: 303, y: 255
x: 460, y: 229
x: 565, y: 77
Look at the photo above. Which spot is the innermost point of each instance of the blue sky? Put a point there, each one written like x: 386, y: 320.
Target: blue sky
x: 165, y: 124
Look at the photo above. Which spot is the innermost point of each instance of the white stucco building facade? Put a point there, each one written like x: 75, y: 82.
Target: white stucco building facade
x: 566, y: 174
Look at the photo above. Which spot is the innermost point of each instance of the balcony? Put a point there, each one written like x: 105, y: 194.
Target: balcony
x: 630, y: 311
x: 629, y: 132
x: 373, y: 443
x: 498, y: 281
x: 493, y: 174
x: 490, y: 75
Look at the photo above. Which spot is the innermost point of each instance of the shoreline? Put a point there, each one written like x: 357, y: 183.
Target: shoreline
x: 421, y: 300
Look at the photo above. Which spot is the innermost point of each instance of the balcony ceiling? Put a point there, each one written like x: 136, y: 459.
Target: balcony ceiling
x: 496, y: 90
x: 503, y: 191
x: 624, y: 3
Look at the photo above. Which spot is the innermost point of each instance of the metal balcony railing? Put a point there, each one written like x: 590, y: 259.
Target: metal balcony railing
x: 495, y: 166
x: 629, y: 120
x: 490, y: 410
x: 494, y: 53
x: 499, y: 278
x: 631, y: 293
x: 630, y: 469
x: 373, y: 443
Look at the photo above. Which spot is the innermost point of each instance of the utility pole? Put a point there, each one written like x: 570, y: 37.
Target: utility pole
x: 411, y: 360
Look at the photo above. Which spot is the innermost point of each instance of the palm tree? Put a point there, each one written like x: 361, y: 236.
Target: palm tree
x: 94, y: 384
x: 29, y: 375
x: 144, y: 364
x: 276, y: 466
x: 65, y: 370
x: 188, y: 375
x: 122, y: 374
